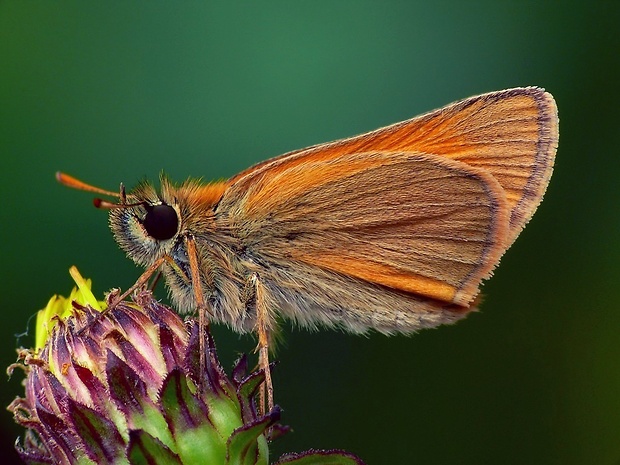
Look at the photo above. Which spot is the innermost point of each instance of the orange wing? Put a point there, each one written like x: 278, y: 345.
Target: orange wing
x: 413, y: 222
x: 512, y: 134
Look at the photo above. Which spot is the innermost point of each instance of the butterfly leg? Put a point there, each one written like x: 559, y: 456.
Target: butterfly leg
x: 201, y: 305
x: 116, y: 298
x: 263, y: 329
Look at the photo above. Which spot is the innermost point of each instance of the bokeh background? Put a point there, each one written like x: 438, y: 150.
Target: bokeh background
x: 118, y: 91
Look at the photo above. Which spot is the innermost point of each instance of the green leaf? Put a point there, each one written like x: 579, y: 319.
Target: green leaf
x: 99, y: 436
x: 144, y: 449
x: 197, y: 440
x: 248, y: 446
x: 129, y: 393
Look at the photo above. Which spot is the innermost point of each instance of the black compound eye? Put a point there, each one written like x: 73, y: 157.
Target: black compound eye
x: 161, y: 221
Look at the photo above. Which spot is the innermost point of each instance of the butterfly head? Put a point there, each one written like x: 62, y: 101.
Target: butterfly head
x: 146, y: 223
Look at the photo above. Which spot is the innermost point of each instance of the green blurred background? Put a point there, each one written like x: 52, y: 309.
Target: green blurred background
x: 118, y: 91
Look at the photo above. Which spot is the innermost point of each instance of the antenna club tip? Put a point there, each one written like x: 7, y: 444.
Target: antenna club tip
x: 74, y: 183
x: 97, y: 202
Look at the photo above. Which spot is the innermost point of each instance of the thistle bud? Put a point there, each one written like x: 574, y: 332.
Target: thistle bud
x: 125, y: 386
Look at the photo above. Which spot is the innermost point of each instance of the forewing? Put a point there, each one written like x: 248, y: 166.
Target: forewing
x: 511, y: 134
x: 412, y: 222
